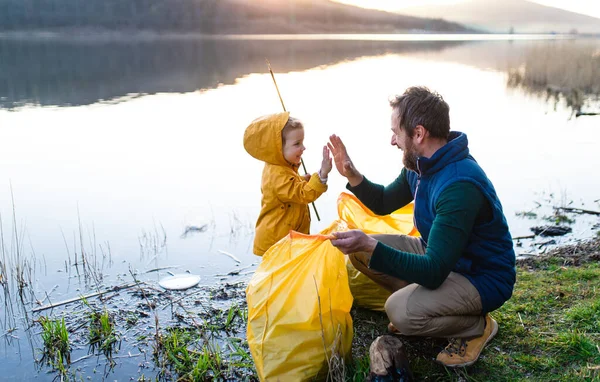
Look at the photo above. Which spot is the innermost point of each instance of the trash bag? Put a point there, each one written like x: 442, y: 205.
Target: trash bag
x: 299, y: 304
x: 358, y: 216
x: 367, y: 293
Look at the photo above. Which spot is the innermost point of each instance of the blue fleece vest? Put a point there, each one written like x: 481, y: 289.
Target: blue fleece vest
x: 489, y: 258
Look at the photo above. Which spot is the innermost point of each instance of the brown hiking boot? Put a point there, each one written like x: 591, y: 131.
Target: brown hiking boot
x: 393, y: 330
x: 461, y: 352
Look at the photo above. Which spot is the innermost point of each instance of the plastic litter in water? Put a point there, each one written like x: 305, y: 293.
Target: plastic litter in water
x: 179, y: 281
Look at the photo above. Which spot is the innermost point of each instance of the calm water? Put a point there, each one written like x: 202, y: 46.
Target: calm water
x: 117, y: 146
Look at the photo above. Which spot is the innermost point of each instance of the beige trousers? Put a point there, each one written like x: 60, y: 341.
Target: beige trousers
x: 451, y: 310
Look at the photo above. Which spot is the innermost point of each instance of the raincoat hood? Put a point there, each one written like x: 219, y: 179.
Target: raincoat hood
x: 262, y: 138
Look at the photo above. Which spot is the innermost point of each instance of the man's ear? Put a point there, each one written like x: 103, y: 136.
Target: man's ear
x: 420, y: 133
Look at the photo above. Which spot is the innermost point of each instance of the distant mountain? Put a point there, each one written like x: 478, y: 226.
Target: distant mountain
x: 521, y: 16
x: 211, y: 16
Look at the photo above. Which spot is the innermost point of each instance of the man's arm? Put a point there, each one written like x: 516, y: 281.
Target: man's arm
x: 383, y: 200
x: 456, y: 211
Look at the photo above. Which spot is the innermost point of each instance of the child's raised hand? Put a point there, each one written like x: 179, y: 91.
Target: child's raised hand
x: 326, y: 164
x: 306, y: 177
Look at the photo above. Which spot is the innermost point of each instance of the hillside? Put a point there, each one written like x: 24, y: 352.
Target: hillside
x: 210, y: 16
x: 500, y: 16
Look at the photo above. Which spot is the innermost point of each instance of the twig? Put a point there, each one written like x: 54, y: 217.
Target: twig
x: 524, y: 237
x: 230, y: 255
x: 578, y: 210
x: 235, y: 272
x: 157, y: 333
x: 81, y: 358
x: 520, y: 319
x: 161, y: 268
x: 556, y: 333
x: 114, y: 289
x: 322, y: 327
x: 128, y: 356
x: 8, y: 332
x: 181, y: 298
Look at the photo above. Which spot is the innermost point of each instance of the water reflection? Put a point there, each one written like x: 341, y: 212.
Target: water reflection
x: 569, y: 72
x: 71, y: 73
x: 122, y: 182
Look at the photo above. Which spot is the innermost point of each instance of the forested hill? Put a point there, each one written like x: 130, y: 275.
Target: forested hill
x: 210, y: 16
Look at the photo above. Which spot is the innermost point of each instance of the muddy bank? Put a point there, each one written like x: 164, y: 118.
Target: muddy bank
x: 575, y: 254
x: 200, y: 333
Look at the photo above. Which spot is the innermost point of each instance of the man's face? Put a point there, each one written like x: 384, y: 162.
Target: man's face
x: 401, y: 140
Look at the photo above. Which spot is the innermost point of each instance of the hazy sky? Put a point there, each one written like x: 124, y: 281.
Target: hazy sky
x: 586, y: 7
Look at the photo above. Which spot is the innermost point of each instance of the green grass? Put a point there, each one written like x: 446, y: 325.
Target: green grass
x: 57, y: 350
x: 183, y: 355
x: 549, y: 331
x: 102, y: 334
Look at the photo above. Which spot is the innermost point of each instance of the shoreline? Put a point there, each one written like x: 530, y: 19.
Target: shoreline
x: 556, y: 298
x: 102, y: 35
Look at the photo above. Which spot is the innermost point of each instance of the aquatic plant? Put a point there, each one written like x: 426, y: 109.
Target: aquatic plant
x: 231, y: 314
x: 57, y: 350
x: 569, y: 72
x: 102, y: 334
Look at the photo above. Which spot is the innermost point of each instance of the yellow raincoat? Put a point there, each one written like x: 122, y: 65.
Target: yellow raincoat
x: 285, y: 193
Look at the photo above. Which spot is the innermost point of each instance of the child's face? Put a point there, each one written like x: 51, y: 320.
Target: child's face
x: 294, y: 146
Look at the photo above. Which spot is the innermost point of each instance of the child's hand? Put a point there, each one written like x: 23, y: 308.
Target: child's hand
x: 306, y: 177
x: 326, y: 164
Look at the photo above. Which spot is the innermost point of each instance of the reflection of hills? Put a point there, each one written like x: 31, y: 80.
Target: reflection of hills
x: 75, y: 73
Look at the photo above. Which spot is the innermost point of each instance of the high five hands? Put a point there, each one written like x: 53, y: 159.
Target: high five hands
x: 342, y: 160
x: 354, y: 240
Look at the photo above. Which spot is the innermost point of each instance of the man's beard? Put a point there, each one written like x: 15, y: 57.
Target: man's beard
x: 409, y: 158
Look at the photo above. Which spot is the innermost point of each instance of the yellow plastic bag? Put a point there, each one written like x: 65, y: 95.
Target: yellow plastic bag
x: 367, y: 293
x: 358, y: 216
x: 299, y: 305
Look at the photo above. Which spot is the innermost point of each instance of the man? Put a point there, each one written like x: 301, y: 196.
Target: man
x: 445, y: 283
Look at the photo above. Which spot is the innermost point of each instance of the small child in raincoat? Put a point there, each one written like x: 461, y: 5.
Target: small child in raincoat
x: 278, y: 140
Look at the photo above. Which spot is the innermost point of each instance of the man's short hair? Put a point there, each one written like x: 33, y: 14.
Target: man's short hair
x: 420, y: 106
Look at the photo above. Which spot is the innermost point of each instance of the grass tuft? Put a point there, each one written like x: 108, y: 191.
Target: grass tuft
x: 102, y: 334
x: 57, y: 350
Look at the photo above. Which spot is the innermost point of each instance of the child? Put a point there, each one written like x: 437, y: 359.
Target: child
x: 278, y: 140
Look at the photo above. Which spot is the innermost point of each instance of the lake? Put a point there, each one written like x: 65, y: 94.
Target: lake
x: 111, y: 147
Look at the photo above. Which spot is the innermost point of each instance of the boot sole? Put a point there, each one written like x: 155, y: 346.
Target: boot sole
x: 491, y: 336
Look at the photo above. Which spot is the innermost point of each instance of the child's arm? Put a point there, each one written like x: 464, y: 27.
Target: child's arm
x: 307, y: 188
x: 294, y: 188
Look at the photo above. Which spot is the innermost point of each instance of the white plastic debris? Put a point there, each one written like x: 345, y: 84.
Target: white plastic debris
x: 179, y: 281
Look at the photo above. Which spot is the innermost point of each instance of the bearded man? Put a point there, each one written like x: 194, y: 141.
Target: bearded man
x: 445, y: 283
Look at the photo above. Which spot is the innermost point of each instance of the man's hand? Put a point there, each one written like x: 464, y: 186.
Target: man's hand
x: 342, y: 160
x: 353, y: 241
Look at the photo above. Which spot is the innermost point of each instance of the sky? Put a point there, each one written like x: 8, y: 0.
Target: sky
x: 586, y: 7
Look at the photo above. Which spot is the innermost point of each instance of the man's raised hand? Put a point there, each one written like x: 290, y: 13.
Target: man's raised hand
x: 342, y: 160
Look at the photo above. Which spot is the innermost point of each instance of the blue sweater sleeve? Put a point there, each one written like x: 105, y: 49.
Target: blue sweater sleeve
x: 456, y: 210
